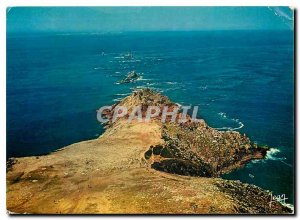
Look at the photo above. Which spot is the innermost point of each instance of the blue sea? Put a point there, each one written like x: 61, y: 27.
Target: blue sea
x: 242, y: 80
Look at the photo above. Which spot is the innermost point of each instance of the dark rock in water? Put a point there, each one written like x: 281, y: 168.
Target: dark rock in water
x: 132, y: 76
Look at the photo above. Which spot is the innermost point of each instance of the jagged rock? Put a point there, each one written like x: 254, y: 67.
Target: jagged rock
x: 197, y: 143
x: 132, y: 76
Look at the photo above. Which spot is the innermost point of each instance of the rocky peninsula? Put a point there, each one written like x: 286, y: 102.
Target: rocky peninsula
x: 141, y: 168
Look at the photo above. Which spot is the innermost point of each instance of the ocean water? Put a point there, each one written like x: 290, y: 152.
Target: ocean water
x: 240, y: 80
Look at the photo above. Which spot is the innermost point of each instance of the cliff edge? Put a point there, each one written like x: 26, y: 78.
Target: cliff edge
x: 141, y: 168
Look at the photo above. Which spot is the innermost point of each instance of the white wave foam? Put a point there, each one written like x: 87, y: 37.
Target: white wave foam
x: 151, y: 84
x: 117, y: 99
x: 122, y: 94
x: 148, y: 87
x: 271, y: 154
x: 129, y: 61
x: 202, y: 87
x: 143, y: 79
x: 255, y: 161
x: 223, y: 115
x: 241, y: 125
x: 140, y: 78
x: 171, y: 83
x: 179, y: 105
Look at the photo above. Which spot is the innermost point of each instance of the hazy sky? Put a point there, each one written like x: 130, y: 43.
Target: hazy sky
x: 106, y: 19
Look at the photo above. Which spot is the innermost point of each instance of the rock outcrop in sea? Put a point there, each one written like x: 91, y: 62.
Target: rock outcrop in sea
x: 132, y: 76
x: 142, y: 167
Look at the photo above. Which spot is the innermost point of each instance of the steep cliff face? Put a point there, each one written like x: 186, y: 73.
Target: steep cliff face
x: 195, y: 149
x: 141, y: 167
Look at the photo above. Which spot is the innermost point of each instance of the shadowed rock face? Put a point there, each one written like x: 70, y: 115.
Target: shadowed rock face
x: 139, y: 167
x: 250, y: 194
x: 198, y: 150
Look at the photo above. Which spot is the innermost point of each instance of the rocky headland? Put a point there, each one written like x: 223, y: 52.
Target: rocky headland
x: 141, y: 168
